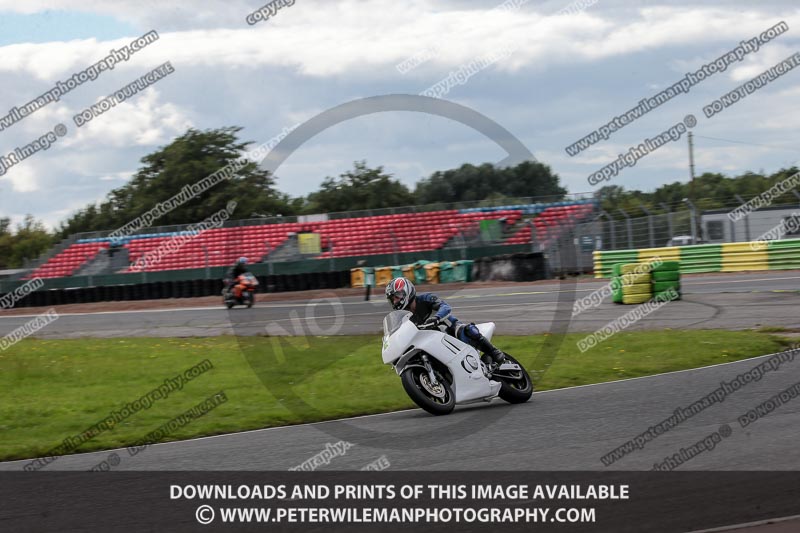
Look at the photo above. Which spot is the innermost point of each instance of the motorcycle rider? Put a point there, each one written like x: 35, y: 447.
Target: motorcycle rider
x: 238, y: 268
x: 429, y: 310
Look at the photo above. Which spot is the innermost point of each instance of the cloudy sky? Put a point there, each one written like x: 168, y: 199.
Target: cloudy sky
x: 561, y: 76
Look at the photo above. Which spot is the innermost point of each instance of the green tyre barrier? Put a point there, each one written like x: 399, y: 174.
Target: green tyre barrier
x: 666, y: 275
x: 633, y: 279
x: 661, y: 286
x: 668, y: 266
x: 636, y: 298
x: 664, y: 296
x: 616, y: 296
x: 639, y: 288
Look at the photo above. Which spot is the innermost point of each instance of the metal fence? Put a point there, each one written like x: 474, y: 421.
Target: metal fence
x: 650, y: 231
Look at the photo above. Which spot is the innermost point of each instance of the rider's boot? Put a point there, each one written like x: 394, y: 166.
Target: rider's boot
x: 483, y: 344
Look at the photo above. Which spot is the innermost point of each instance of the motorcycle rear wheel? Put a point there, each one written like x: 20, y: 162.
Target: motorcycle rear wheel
x: 517, y: 390
x: 439, y: 400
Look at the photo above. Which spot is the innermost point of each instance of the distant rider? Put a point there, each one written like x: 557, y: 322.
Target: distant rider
x: 429, y: 310
x: 238, y: 268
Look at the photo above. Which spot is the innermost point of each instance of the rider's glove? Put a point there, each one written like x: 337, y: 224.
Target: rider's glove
x: 432, y: 322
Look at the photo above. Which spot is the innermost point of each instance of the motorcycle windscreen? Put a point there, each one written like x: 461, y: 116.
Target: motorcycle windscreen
x: 396, y: 337
x: 393, y: 321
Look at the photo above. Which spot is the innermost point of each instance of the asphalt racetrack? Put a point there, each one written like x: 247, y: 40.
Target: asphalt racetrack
x: 729, y: 301
x: 568, y: 429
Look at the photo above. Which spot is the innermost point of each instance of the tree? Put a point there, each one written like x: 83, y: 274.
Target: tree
x: 470, y: 183
x: 6, y: 242
x: 358, y: 189
x: 30, y: 240
x: 711, y: 190
x: 185, y: 161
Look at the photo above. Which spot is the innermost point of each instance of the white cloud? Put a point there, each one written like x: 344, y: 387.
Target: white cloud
x: 143, y: 120
x: 123, y: 176
x: 767, y: 57
x: 569, y: 75
x: 323, y: 39
x: 147, y: 13
x: 23, y: 177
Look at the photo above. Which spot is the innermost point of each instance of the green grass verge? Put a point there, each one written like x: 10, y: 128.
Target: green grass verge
x: 54, y: 389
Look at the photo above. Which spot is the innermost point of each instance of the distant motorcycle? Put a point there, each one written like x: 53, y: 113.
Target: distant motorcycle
x: 439, y: 371
x: 247, y: 284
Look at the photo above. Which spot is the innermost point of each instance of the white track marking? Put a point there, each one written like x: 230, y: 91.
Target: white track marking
x: 452, y: 297
x: 689, y: 281
x: 278, y: 428
x: 748, y: 524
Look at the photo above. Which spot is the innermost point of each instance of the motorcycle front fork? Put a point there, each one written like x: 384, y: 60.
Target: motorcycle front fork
x: 429, y: 368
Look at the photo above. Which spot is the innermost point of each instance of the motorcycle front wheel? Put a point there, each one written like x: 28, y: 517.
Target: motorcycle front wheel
x: 437, y: 400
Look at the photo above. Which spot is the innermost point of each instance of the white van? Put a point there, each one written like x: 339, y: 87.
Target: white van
x: 683, y: 240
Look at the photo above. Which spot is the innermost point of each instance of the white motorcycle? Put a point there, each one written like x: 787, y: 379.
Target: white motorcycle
x: 439, y: 371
